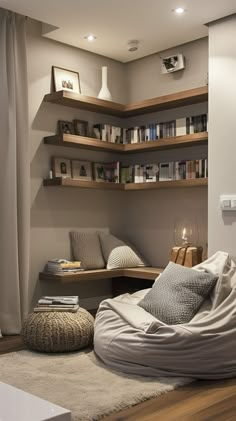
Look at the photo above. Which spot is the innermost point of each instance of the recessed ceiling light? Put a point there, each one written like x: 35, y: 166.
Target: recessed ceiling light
x: 90, y: 37
x: 179, y: 10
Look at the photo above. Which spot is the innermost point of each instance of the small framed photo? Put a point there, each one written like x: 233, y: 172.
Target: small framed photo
x: 61, y: 167
x: 81, y: 170
x: 65, y: 127
x: 66, y: 80
x: 80, y: 127
x: 99, y: 172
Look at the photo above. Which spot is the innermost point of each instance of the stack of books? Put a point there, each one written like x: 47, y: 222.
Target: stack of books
x: 63, y: 265
x: 58, y: 303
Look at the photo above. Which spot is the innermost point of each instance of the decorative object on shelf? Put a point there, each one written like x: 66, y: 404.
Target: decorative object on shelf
x: 65, y: 127
x: 80, y: 127
x: 67, y: 80
x: 81, y: 170
x: 172, y: 63
x: 61, y: 167
x: 104, y: 92
x: 108, y: 171
x: 186, y: 236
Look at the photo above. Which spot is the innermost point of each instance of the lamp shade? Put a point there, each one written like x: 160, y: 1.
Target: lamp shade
x: 186, y: 232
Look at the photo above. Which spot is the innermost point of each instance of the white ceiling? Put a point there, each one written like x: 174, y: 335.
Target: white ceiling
x: 115, y: 22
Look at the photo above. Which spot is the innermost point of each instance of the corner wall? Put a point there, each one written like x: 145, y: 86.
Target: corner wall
x: 222, y: 146
x: 146, y: 217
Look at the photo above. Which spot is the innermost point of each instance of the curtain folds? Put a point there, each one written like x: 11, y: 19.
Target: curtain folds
x: 14, y: 173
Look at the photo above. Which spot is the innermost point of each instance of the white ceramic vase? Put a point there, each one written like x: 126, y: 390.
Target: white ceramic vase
x: 104, y: 92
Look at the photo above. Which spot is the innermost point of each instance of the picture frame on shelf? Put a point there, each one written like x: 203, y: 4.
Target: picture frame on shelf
x: 67, y: 80
x: 61, y: 167
x: 65, y: 127
x: 81, y: 170
x: 108, y: 172
x: 80, y: 127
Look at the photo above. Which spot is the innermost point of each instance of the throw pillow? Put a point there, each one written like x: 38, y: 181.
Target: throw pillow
x: 86, y: 248
x: 178, y: 293
x: 118, y: 254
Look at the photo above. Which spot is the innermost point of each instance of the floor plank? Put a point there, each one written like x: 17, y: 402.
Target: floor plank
x: 11, y: 343
x: 199, y: 401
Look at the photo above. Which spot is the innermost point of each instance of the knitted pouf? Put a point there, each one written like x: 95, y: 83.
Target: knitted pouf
x: 58, y: 331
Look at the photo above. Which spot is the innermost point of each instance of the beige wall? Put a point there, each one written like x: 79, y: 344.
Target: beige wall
x: 147, y: 217
x: 222, y: 106
x: 146, y: 81
x: 56, y: 211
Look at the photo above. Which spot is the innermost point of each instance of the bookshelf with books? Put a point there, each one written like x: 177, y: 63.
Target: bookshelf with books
x: 180, y: 133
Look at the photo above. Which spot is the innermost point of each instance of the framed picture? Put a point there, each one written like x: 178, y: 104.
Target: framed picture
x: 80, y: 127
x: 106, y: 172
x: 81, y: 170
x: 65, y: 127
x: 66, y: 80
x: 61, y: 167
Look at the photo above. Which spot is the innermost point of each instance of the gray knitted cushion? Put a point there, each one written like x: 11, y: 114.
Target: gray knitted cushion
x: 86, y: 248
x: 117, y: 254
x: 178, y: 293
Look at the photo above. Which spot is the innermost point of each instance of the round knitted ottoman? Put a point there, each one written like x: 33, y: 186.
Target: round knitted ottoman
x: 58, y: 331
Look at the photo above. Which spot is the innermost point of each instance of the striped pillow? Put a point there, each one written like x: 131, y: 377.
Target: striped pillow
x: 86, y: 248
x: 117, y: 254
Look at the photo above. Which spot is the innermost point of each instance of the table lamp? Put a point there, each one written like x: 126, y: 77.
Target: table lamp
x: 186, y: 252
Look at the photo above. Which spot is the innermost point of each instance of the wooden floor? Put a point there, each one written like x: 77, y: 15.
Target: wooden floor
x: 199, y: 401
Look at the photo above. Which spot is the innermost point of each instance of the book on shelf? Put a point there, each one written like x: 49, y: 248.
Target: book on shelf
x: 63, y: 265
x: 151, y: 173
x: 127, y: 174
x: 139, y: 174
x: 70, y: 309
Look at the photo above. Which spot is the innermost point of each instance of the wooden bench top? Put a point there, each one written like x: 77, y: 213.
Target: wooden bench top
x: 149, y: 273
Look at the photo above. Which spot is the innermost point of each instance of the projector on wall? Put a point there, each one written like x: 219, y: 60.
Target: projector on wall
x: 172, y: 63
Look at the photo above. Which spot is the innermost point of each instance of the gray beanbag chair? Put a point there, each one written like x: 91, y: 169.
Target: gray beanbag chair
x: 129, y: 339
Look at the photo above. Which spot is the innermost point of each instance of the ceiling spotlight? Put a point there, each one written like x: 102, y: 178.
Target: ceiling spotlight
x: 133, y: 45
x: 90, y: 38
x: 179, y: 10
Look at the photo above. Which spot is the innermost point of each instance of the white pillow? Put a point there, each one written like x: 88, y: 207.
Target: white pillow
x: 117, y: 254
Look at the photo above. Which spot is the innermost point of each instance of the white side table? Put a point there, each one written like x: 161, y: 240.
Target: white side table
x: 21, y: 406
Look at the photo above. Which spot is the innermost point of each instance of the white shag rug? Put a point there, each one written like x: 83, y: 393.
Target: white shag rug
x: 81, y: 383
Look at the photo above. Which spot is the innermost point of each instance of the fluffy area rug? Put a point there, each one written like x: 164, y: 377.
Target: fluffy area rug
x: 80, y: 382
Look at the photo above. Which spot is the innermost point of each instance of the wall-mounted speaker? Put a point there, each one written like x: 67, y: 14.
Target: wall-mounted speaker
x: 172, y: 63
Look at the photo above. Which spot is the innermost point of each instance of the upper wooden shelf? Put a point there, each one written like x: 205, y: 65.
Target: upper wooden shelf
x: 178, y: 99
x: 71, y: 99
x: 165, y: 102
x: 149, y: 273
x: 160, y: 144
x: 70, y: 182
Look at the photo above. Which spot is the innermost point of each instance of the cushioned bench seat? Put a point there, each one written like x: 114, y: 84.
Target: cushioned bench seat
x: 149, y: 273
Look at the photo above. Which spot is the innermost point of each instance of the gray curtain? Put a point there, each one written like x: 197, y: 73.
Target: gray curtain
x: 14, y: 173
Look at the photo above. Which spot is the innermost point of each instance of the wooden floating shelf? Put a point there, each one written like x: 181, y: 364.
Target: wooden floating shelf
x: 153, y: 145
x: 74, y: 141
x: 70, y: 182
x: 165, y: 102
x: 195, y: 182
x: 168, y: 143
x: 178, y: 99
x: 149, y: 273
x: 89, y: 103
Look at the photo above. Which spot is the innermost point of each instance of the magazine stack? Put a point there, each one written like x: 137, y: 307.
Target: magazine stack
x: 63, y: 265
x: 68, y: 303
